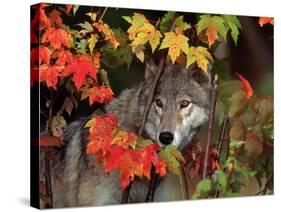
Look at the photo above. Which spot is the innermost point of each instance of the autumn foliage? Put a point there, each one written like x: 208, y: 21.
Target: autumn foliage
x: 74, y: 59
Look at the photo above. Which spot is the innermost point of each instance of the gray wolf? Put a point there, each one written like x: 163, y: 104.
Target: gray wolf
x: 180, y: 107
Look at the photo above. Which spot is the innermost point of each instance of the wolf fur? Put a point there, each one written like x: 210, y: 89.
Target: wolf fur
x: 85, y: 184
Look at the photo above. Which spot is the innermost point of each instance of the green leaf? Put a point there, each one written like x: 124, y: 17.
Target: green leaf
x: 227, y: 89
x: 173, y: 157
x: 141, y: 142
x: 92, y: 42
x: 181, y: 25
x: 221, y: 179
x: 233, y: 23
x: 82, y: 45
x: 87, y: 26
x: 75, y: 8
x: 204, y: 186
x: 214, y: 26
x: 167, y: 21
x: 238, y: 103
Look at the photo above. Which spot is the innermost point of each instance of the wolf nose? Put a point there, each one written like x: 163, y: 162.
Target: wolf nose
x: 166, y: 138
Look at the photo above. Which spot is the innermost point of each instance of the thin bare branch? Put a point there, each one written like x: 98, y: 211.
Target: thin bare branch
x: 214, y: 93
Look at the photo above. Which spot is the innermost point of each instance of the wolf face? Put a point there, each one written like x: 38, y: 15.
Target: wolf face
x: 180, y: 106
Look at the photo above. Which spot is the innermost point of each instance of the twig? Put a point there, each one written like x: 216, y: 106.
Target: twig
x: 213, y: 95
x: 223, y: 130
x: 102, y: 15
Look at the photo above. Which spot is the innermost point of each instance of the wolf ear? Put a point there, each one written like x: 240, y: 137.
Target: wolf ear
x: 150, y: 68
x: 201, y: 77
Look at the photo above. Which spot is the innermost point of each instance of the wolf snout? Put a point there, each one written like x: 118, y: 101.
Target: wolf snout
x: 166, y: 138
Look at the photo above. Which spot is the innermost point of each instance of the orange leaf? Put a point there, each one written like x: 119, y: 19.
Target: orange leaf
x: 50, y: 75
x: 246, y: 86
x: 56, y: 38
x: 265, y: 20
x: 81, y: 67
x: 55, y: 18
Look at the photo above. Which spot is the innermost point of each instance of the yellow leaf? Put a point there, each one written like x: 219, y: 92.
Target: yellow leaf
x: 138, y: 50
x: 92, y: 42
x: 108, y: 34
x: 200, y: 55
x: 141, y: 32
x: 176, y: 43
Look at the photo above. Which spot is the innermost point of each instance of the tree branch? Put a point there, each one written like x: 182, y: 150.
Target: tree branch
x: 214, y: 93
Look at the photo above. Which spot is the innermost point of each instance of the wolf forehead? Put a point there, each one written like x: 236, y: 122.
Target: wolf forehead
x: 178, y: 83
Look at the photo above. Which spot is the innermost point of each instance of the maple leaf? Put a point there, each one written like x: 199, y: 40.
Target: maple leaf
x: 214, y: 26
x: 142, y: 32
x: 50, y: 75
x: 200, y: 55
x: 180, y: 25
x: 107, y: 32
x: 176, y: 43
x: 246, y: 86
x: 128, y: 168
x: 63, y: 57
x: 40, y: 54
x: 160, y: 168
x: 92, y: 42
x: 233, y: 23
x: 172, y: 157
x: 56, y: 37
x: 148, y: 156
x: 81, y: 67
x: 167, y: 21
x: 40, y: 18
x: 125, y: 139
x: 97, y: 94
x: 113, y: 159
x: 55, y: 18
x: 265, y: 20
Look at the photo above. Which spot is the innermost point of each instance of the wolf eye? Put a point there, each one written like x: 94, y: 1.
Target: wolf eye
x: 158, y: 102
x: 184, y: 103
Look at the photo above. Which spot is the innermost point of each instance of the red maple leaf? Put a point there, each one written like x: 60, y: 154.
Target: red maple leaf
x: 63, y: 57
x: 81, y: 67
x: 40, y: 17
x: 149, y: 156
x: 40, y: 54
x: 160, y: 168
x: 246, y: 86
x: 56, y: 37
x: 49, y: 74
x: 129, y: 167
x: 113, y: 159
